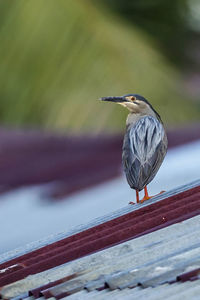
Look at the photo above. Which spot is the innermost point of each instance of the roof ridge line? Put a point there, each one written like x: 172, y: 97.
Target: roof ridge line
x: 97, y: 221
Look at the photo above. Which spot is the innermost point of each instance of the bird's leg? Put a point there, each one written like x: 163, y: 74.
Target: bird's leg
x: 137, y: 198
x: 146, y: 195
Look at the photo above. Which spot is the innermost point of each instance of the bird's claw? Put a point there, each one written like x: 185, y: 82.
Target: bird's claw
x: 145, y: 199
x: 149, y: 197
x: 161, y: 192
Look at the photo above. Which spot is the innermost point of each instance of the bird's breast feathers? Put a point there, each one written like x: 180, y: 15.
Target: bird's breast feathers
x: 144, y: 148
x: 144, y: 136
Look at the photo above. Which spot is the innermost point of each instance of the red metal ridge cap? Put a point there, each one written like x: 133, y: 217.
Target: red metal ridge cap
x: 149, y: 218
x: 192, y: 275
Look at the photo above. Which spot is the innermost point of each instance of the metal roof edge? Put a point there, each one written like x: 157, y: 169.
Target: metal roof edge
x: 170, y: 252
x: 56, y: 237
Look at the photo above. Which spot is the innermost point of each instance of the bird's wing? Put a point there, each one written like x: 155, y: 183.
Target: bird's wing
x: 144, y: 148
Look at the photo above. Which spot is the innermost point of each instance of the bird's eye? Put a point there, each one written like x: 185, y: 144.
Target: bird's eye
x: 132, y: 98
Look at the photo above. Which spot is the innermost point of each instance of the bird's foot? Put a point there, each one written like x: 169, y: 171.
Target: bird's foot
x: 145, y: 198
x: 161, y: 193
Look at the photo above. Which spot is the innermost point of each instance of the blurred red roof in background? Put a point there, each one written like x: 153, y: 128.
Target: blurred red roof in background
x: 73, y: 163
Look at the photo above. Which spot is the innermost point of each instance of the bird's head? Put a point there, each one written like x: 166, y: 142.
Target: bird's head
x: 134, y: 103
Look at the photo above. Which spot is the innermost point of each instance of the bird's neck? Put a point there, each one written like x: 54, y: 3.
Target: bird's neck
x: 132, y: 118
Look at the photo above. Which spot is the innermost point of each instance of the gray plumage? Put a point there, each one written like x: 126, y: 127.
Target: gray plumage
x: 144, y: 148
x: 145, y: 142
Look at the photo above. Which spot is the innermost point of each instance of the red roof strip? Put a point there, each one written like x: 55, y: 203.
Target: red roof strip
x: 108, y: 231
x: 72, y: 239
x: 107, y: 225
x: 37, y: 292
x: 135, y: 223
x: 192, y: 275
x: 48, y: 294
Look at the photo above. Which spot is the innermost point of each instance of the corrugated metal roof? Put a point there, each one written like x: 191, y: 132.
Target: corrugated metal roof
x: 150, y: 260
x: 115, y: 214
x: 164, y: 263
x: 138, y: 222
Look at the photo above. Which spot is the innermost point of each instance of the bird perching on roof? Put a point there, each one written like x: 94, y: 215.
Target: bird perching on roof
x: 145, y: 142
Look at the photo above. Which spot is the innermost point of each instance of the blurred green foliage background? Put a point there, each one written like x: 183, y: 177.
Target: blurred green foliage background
x: 58, y: 57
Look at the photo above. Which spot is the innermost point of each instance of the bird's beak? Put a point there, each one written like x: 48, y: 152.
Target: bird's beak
x: 114, y: 99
